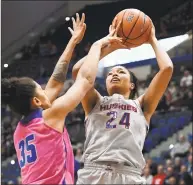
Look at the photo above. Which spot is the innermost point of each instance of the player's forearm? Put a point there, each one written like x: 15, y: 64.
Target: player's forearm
x: 61, y: 69
x: 163, y: 60
x: 89, y: 66
x: 56, y: 81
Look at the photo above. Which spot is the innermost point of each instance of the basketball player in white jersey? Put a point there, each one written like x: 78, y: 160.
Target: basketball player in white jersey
x: 116, y: 125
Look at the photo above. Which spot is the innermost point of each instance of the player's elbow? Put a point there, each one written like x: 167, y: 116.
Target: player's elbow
x: 87, y: 83
x: 168, y: 69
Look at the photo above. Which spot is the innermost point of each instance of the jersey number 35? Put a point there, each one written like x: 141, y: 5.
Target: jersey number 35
x: 28, y: 151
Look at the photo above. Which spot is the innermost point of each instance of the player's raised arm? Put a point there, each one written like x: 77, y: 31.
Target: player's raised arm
x: 158, y: 85
x: 56, y: 81
x: 84, y: 82
x: 92, y: 96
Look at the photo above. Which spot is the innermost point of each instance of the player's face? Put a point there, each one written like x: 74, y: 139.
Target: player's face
x: 41, y: 97
x: 118, y: 80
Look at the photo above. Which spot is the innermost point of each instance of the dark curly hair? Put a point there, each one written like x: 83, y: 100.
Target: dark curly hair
x: 17, y: 93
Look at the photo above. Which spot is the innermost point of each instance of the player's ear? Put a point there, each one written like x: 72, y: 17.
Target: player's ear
x: 132, y: 86
x: 35, y: 102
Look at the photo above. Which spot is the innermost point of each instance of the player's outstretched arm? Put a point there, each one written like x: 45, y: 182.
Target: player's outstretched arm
x: 92, y: 96
x: 55, y: 115
x: 158, y: 85
x: 56, y: 81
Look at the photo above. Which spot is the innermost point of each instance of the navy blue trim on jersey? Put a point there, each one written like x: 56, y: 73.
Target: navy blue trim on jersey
x: 64, y: 182
x: 35, y: 114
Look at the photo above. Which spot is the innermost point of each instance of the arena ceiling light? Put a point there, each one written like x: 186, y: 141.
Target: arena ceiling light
x: 143, y: 52
x: 5, y: 65
x: 67, y: 18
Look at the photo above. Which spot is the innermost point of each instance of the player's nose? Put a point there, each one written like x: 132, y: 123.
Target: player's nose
x: 115, y: 74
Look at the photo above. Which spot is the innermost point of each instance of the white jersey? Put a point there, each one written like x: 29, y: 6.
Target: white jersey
x: 115, y: 132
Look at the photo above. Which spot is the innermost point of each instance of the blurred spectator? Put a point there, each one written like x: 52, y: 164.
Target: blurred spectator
x: 52, y: 49
x: 185, y: 175
x: 152, y: 166
x: 181, y: 147
x: 147, y: 175
x: 19, y: 182
x: 190, y: 150
x: 43, y: 49
x: 10, y: 182
x: 168, y: 163
x: 151, y: 75
x: 189, y: 164
x: 163, y: 106
x: 169, y: 174
x: 26, y: 50
x: 172, y: 180
x: 173, y: 91
x: 182, y: 182
x: 36, y: 49
x: 160, y: 177
x: 177, y: 164
x: 186, y: 80
x: 187, y: 100
x: 78, y: 155
x: 142, y: 88
x: 18, y: 56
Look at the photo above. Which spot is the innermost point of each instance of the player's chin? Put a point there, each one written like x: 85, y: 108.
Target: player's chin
x: 115, y: 86
x: 46, y: 105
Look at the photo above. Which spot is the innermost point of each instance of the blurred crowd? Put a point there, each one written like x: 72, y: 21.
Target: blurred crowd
x: 178, y: 19
x: 178, y: 95
x: 177, y: 169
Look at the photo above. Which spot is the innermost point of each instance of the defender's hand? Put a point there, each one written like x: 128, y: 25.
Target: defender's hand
x: 79, y: 28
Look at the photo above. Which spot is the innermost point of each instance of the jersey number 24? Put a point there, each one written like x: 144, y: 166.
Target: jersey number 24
x: 28, y: 150
x: 124, y: 120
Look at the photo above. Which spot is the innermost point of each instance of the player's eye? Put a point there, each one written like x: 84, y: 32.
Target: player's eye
x: 109, y: 74
x: 122, y: 72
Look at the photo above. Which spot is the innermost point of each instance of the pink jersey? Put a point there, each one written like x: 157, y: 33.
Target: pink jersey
x: 44, y: 154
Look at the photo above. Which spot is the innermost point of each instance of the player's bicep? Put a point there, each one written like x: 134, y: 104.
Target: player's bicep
x: 90, y: 100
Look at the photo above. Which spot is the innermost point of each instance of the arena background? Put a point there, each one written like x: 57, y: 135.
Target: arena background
x: 34, y: 34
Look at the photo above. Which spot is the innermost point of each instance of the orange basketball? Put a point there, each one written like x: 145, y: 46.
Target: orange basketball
x: 135, y: 27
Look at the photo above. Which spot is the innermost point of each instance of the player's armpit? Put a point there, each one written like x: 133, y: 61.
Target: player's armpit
x: 90, y: 100
x: 55, y: 115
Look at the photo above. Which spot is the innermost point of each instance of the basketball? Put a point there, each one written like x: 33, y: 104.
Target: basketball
x: 135, y: 27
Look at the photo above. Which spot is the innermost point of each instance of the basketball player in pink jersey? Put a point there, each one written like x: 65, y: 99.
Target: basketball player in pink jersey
x: 41, y: 141
x: 116, y: 125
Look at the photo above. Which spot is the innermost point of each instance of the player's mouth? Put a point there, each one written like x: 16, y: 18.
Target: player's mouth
x: 115, y: 79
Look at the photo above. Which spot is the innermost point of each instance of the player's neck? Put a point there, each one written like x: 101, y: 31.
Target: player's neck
x: 125, y: 95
